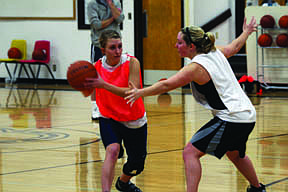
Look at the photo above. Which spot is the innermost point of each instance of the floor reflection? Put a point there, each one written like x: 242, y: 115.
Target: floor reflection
x: 20, y: 104
x: 49, y: 143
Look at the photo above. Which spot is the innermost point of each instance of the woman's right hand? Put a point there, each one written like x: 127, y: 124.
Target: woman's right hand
x: 97, y: 82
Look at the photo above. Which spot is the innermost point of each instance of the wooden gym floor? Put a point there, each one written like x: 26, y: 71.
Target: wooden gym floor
x: 49, y: 143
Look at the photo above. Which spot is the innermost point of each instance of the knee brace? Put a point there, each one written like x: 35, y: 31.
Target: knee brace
x: 133, y: 168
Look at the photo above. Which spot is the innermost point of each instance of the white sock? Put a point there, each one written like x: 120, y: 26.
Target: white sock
x: 95, y: 110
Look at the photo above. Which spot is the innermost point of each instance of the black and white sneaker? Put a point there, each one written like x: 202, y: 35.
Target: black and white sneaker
x: 126, y: 187
x: 251, y: 188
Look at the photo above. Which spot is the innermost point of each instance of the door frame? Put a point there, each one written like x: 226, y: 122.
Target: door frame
x: 239, y: 19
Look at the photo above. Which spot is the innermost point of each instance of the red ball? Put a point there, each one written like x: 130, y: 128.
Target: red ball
x: 267, y: 21
x: 14, y: 53
x: 283, y: 22
x: 78, y: 72
x: 162, y: 79
x: 265, y: 40
x: 282, y: 40
x: 39, y: 54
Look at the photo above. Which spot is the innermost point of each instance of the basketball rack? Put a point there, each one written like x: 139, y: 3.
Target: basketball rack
x: 260, y: 68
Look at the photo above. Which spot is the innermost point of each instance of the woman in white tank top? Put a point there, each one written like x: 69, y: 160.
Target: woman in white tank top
x: 234, y: 116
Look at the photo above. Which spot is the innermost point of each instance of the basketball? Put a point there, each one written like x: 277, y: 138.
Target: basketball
x: 267, y: 21
x: 282, y: 40
x: 39, y: 54
x: 78, y: 72
x: 265, y: 40
x: 14, y: 53
x: 164, y: 100
x: 283, y: 22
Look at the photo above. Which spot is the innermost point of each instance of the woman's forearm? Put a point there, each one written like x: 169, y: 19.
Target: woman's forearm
x: 120, y: 91
x: 156, y: 89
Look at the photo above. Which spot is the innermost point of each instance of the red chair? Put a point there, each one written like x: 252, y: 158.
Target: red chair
x: 40, y: 45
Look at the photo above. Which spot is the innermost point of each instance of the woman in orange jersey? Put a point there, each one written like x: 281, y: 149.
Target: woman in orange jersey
x: 118, y: 121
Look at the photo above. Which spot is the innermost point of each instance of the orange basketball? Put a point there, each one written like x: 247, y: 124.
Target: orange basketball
x: 282, y: 40
x: 39, y: 54
x: 283, y: 22
x: 265, y: 40
x: 267, y: 21
x: 14, y: 53
x: 78, y: 72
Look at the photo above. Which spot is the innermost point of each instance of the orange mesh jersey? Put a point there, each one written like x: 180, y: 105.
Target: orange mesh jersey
x: 114, y: 106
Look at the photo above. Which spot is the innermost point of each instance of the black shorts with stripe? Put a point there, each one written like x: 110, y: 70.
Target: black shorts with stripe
x: 218, y: 137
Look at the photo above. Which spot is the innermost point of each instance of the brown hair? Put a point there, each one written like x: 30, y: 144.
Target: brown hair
x: 109, y: 34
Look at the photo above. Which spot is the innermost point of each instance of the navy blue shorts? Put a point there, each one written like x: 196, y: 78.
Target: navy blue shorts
x: 218, y: 137
x: 134, y: 140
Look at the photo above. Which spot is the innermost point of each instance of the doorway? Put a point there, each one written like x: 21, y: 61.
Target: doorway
x: 157, y: 24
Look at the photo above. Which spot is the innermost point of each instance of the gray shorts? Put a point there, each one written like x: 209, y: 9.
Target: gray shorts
x: 217, y: 137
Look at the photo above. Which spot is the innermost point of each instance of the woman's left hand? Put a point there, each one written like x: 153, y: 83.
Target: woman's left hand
x: 133, y: 94
x: 251, y: 27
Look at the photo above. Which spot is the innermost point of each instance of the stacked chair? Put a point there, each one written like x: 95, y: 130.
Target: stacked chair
x: 17, y: 56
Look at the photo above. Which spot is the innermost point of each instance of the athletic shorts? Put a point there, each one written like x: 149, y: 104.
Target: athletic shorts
x: 218, y: 137
x: 134, y: 140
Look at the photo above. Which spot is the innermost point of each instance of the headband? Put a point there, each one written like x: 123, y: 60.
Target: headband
x: 188, y: 34
x: 189, y: 37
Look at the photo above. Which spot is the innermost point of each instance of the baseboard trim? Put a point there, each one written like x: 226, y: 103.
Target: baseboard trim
x: 38, y: 81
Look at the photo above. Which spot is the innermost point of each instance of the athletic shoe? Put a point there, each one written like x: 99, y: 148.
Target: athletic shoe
x: 95, y: 118
x: 255, y: 189
x: 126, y: 187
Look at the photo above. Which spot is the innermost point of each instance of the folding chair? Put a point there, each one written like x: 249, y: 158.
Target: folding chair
x: 21, y: 45
x: 42, y: 45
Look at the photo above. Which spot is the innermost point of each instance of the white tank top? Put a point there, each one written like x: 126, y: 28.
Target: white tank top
x: 239, y: 106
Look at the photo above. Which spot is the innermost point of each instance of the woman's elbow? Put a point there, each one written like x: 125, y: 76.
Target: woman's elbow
x: 120, y: 18
x: 96, y: 25
x: 228, y: 52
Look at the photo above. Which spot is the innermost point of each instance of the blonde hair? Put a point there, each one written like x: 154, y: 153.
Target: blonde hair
x: 204, y: 42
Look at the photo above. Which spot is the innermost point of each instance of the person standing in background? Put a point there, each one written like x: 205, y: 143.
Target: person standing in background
x: 103, y: 15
